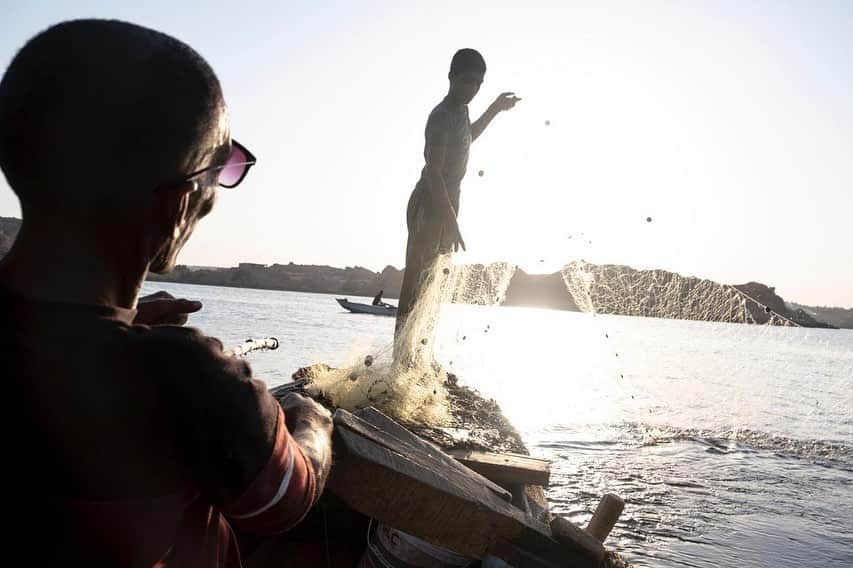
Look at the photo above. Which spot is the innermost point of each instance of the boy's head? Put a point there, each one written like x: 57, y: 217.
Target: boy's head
x: 95, y: 115
x: 467, y: 70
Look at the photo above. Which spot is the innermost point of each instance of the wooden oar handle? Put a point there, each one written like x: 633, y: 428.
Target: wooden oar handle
x: 253, y: 345
x: 605, y: 516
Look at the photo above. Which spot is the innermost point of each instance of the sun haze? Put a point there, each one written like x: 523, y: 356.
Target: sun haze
x: 728, y: 125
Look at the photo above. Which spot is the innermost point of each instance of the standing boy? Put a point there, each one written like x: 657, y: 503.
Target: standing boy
x: 434, y: 205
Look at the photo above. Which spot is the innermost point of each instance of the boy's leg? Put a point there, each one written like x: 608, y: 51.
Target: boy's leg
x: 416, y: 262
x: 411, y: 272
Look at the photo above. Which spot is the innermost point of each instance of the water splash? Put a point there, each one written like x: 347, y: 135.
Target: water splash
x: 404, y: 380
x: 735, y: 439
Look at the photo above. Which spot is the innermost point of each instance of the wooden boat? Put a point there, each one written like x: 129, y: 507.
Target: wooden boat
x: 357, y: 308
x: 467, y: 497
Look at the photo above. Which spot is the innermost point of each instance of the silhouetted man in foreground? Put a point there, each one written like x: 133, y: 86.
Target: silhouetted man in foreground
x: 128, y: 445
x: 434, y: 203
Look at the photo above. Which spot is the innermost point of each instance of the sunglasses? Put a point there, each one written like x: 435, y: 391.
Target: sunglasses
x: 233, y: 171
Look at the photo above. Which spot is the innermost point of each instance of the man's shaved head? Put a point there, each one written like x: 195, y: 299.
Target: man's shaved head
x: 95, y: 113
x: 467, y: 59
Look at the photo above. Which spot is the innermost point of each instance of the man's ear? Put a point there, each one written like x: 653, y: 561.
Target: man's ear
x: 172, y: 204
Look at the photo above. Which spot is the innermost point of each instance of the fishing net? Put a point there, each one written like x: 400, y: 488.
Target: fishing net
x: 404, y: 380
x: 610, y: 289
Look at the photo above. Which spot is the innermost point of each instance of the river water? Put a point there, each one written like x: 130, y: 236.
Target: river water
x: 732, y: 445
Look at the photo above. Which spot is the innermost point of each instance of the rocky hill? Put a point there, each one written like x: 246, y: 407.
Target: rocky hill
x: 838, y: 317
x: 580, y: 286
x: 615, y: 289
x: 350, y: 281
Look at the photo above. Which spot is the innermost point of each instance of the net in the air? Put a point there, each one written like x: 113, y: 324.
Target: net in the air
x: 404, y: 380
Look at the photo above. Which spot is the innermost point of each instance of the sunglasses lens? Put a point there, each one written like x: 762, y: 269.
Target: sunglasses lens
x: 235, y: 168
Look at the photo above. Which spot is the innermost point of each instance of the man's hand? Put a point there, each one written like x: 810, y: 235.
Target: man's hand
x: 311, y: 427
x: 505, y: 101
x: 302, y: 412
x: 456, y: 241
x: 161, y: 308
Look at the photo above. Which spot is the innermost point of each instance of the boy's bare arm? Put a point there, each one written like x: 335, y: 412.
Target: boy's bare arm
x: 435, y: 156
x: 505, y: 101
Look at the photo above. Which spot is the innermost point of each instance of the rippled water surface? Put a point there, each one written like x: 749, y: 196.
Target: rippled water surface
x: 732, y: 445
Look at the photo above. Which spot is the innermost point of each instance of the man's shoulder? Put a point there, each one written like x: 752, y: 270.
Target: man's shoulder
x: 187, y: 352
x: 192, y: 369
x: 175, y: 340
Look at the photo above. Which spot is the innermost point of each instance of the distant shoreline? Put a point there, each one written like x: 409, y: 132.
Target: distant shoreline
x: 350, y: 281
x: 333, y: 294
x: 617, y: 290
x: 609, y: 289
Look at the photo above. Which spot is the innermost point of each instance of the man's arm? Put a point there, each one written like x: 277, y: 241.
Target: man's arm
x: 247, y: 463
x: 292, y: 479
x: 435, y: 156
x: 505, y: 101
x: 310, y: 425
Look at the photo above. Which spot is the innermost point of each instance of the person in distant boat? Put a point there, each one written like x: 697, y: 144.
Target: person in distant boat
x: 434, y: 204
x: 377, y: 299
x: 132, y: 445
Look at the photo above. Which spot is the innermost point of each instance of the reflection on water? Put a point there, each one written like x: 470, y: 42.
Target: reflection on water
x: 732, y: 445
x: 705, y: 502
x: 549, y: 367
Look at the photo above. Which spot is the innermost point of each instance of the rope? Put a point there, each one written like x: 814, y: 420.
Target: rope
x: 250, y: 345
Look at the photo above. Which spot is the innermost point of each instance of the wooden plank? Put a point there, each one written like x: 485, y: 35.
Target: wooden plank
x: 605, y: 516
x: 579, y: 545
x: 385, y: 423
x: 516, y: 556
x: 381, y: 427
x: 411, y: 489
x: 519, y: 498
x: 293, y: 386
x: 419, y: 452
x: 456, y: 512
x: 506, y: 469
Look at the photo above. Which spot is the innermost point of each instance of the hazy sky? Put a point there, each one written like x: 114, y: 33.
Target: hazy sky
x: 730, y: 124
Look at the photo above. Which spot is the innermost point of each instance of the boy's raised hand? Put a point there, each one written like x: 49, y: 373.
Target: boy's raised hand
x: 505, y: 101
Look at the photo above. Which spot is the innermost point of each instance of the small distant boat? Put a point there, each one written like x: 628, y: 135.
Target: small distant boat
x: 356, y: 308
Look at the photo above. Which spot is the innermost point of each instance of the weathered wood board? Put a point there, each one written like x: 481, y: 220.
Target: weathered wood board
x: 576, y: 540
x: 505, y: 468
x: 411, y: 485
x: 385, y: 424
